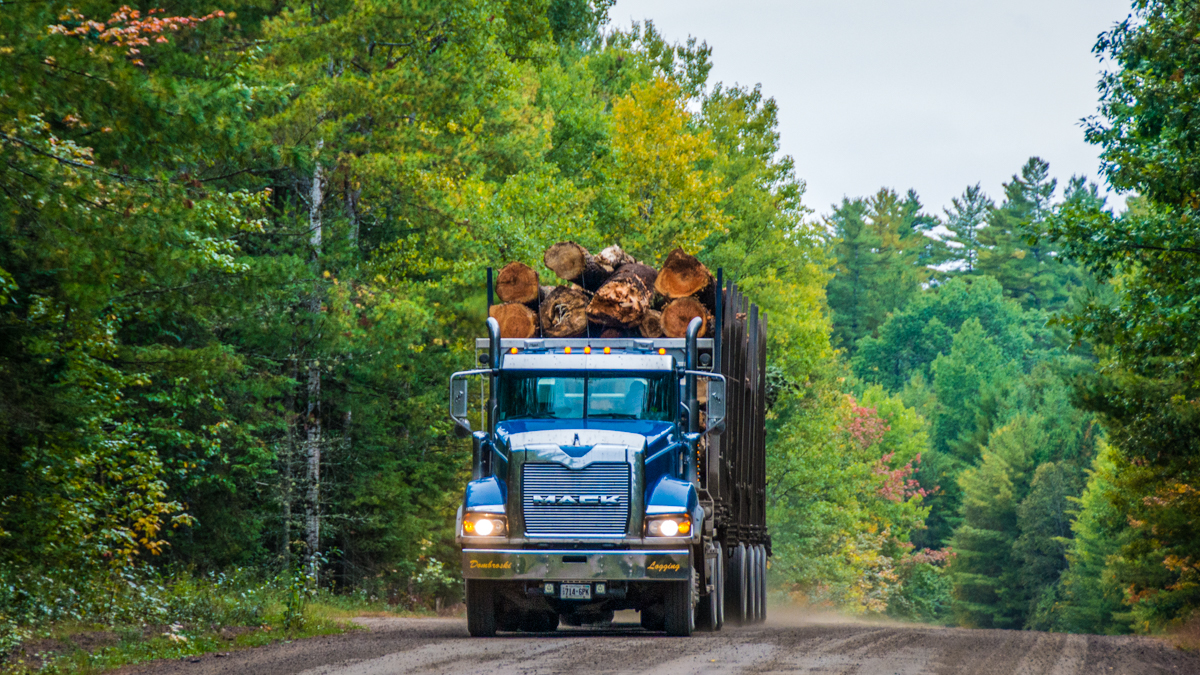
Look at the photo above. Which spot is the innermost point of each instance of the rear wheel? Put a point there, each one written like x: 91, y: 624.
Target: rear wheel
x: 481, y: 607
x: 752, y: 584
x: 762, y: 583
x: 680, y: 613
x: 735, y: 591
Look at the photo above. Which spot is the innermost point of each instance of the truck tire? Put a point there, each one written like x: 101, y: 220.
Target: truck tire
x: 719, y: 582
x: 735, y: 591
x: 653, y: 618
x: 762, y: 583
x: 752, y: 584
x: 679, y: 611
x: 708, y: 610
x: 481, y: 607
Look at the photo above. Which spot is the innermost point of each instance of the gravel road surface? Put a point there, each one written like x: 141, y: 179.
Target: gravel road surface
x: 796, y: 644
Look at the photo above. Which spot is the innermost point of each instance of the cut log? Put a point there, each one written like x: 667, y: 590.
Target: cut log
x: 646, y: 273
x: 516, y: 320
x: 567, y: 259
x: 612, y: 334
x: 621, y: 301
x: 682, y: 275
x: 613, y: 258
x: 679, y: 313
x: 517, y: 282
x: 594, y: 275
x: 564, y: 312
x: 651, y: 325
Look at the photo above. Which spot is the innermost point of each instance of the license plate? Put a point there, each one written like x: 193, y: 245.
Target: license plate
x: 575, y: 591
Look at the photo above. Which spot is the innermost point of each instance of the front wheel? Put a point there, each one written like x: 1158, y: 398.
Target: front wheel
x: 481, y: 608
x: 679, y: 608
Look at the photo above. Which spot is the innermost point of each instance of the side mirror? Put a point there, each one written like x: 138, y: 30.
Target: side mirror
x: 459, y: 400
x: 716, y: 403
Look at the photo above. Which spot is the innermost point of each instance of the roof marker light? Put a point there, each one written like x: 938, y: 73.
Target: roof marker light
x: 587, y: 350
x: 513, y: 350
x: 566, y: 350
x: 608, y: 350
x: 662, y: 351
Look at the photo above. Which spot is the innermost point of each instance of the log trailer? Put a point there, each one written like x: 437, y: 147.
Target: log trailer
x: 620, y: 473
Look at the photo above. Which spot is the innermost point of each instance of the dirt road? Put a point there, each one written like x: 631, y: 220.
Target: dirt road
x: 798, y: 645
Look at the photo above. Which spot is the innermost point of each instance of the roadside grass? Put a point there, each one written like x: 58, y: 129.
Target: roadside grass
x: 64, y: 626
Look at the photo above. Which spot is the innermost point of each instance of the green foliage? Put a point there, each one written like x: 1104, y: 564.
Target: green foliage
x: 879, y: 242
x: 911, y: 339
x: 1091, y: 596
x: 1145, y: 389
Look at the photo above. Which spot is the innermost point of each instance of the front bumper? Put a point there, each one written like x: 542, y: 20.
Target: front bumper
x: 664, y: 565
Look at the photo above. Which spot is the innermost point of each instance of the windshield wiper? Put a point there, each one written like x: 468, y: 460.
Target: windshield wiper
x: 615, y: 416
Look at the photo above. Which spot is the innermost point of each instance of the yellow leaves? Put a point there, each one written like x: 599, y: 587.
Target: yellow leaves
x: 657, y: 158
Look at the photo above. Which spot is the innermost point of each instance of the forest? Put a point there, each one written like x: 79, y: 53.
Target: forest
x: 243, y: 245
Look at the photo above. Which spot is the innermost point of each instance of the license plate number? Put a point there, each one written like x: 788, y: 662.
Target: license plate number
x: 575, y: 591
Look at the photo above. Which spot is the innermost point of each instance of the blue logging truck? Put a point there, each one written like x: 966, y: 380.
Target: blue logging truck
x: 618, y: 471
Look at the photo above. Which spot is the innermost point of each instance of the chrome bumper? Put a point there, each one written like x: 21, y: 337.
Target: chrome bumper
x: 665, y: 565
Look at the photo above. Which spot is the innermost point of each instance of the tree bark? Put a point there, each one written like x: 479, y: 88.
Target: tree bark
x: 312, y: 420
x: 622, y: 300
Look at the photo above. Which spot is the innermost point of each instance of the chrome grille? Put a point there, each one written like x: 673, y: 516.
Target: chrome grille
x: 558, y: 520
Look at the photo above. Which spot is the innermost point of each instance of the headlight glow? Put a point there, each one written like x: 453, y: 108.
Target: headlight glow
x: 484, y: 525
x: 676, y: 525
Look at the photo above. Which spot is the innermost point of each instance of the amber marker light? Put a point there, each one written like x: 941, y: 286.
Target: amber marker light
x: 661, y: 351
x: 566, y: 350
x: 513, y: 350
x: 608, y: 350
x: 587, y: 350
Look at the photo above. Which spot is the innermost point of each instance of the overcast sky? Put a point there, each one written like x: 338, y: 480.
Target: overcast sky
x: 933, y: 95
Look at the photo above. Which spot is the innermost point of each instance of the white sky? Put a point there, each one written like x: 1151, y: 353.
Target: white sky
x: 929, y: 94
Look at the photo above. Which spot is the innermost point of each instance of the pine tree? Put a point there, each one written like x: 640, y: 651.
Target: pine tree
x: 880, y: 253
x: 1044, y: 521
x: 988, y: 587
x: 969, y: 213
x: 1016, y: 249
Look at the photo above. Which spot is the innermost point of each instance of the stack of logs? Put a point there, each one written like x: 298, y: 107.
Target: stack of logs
x: 608, y: 295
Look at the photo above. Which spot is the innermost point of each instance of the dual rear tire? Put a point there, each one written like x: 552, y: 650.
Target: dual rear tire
x: 746, y: 584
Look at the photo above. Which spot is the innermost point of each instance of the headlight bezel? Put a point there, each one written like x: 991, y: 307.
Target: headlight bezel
x: 471, y: 524
x: 681, y: 523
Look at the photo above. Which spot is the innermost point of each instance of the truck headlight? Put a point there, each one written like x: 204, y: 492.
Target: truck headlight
x: 674, y: 525
x: 484, y: 525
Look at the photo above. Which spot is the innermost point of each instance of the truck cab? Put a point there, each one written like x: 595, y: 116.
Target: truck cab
x: 586, y: 495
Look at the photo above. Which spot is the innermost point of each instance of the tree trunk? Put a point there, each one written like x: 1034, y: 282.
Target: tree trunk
x: 651, y: 325
x: 572, y: 262
x: 613, y: 258
x: 566, y: 259
x: 312, y: 420
x: 563, y: 312
x: 516, y: 320
x: 622, y: 300
x: 517, y: 282
x: 679, y: 313
x: 682, y: 275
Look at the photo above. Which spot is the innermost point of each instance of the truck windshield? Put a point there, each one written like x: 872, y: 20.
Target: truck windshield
x: 546, y: 396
